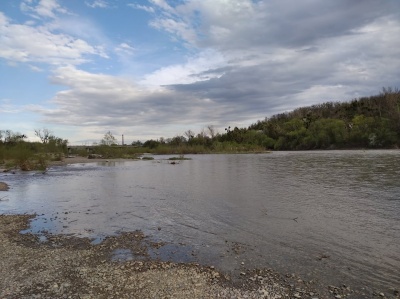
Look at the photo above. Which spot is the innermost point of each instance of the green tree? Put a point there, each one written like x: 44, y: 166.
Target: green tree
x: 151, y: 144
x: 325, y: 133
x: 295, y: 131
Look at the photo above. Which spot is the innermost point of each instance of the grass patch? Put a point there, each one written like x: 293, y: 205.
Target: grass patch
x: 147, y: 158
x: 180, y: 158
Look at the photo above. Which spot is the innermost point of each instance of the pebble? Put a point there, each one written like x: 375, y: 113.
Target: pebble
x: 263, y: 292
x: 104, y: 279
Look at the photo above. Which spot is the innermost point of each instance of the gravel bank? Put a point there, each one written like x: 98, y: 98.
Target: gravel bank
x: 68, y: 267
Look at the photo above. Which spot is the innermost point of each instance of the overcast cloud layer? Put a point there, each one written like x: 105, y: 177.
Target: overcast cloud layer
x: 187, y: 64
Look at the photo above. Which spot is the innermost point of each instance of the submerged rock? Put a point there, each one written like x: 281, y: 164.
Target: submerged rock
x: 4, y: 186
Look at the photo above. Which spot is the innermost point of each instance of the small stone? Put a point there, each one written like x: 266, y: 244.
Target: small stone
x: 382, y: 294
x: 242, y: 273
x: 338, y: 297
x: 263, y: 292
x: 296, y: 295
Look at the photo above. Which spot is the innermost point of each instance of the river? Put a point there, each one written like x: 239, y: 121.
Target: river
x: 331, y: 216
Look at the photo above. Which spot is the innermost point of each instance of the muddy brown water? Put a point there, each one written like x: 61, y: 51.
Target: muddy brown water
x: 331, y: 216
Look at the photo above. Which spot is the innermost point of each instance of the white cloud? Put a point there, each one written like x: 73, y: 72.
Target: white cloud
x: 6, y: 106
x: 243, y: 24
x: 178, y: 28
x: 23, y: 43
x: 162, y: 4
x: 194, y: 70
x: 110, y: 101
x: 43, y: 8
x: 84, y: 29
x: 142, y: 7
x: 211, y: 21
x: 35, y: 68
x: 125, y: 49
x: 97, y: 3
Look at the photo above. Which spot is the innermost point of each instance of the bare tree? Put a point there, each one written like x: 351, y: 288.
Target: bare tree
x: 44, y: 134
x: 212, y: 131
x: 189, y: 134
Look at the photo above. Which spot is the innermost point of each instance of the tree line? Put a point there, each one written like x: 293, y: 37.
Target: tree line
x: 367, y: 122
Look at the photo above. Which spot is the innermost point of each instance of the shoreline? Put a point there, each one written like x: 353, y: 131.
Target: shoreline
x: 71, y: 267
x: 64, y: 266
x: 248, y: 285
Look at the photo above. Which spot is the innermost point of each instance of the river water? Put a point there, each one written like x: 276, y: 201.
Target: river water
x: 333, y: 216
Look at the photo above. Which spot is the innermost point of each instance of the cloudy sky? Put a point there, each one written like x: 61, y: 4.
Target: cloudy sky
x: 157, y: 68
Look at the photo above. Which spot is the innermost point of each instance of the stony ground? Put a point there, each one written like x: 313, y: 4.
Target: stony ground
x: 68, y: 267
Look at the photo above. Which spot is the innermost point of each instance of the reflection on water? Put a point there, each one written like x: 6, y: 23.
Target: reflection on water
x: 332, y: 215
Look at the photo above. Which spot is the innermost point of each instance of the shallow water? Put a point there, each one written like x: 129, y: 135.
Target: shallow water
x: 332, y: 216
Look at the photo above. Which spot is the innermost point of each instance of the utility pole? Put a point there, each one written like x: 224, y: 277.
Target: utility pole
x: 122, y: 139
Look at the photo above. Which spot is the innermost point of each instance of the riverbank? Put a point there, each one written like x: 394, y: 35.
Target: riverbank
x: 72, y: 212
x: 69, y: 267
